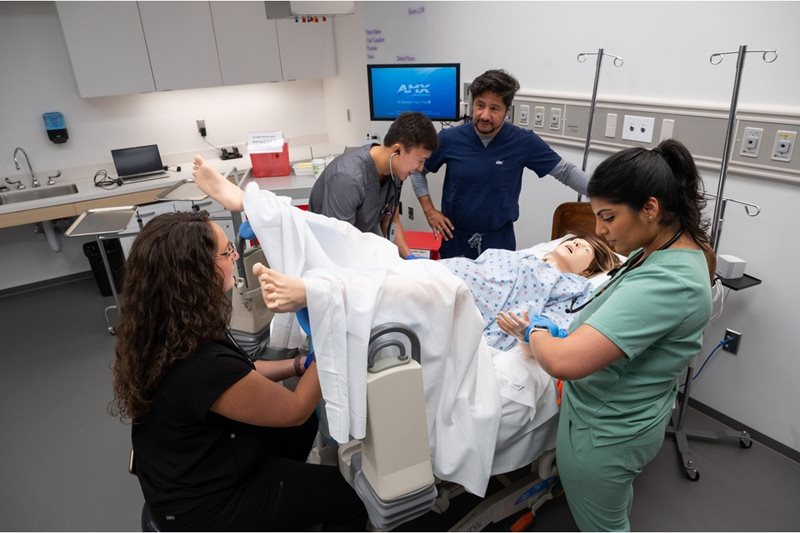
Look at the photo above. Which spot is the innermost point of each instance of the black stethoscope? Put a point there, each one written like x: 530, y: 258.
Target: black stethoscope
x: 633, y: 260
x: 391, y: 203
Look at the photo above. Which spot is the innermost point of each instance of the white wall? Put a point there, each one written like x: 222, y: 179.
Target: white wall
x: 666, y: 48
x: 37, y: 77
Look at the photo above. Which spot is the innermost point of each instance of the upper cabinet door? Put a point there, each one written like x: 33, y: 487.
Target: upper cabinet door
x: 106, y: 47
x: 307, y: 49
x: 247, y: 43
x: 180, y: 39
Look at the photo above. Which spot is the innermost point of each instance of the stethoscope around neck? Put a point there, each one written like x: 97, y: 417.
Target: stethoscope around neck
x: 632, y: 262
x: 390, y: 206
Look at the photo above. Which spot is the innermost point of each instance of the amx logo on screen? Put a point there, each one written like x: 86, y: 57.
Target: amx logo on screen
x: 414, y: 88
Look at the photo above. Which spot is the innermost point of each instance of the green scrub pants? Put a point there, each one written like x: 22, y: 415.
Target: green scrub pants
x: 598, y: 480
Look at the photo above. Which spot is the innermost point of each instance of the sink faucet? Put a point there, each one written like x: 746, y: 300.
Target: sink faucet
x: 34, y: 181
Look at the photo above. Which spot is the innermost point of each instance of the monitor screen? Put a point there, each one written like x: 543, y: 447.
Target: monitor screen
x: 431, y: 89
x: 137, y: 161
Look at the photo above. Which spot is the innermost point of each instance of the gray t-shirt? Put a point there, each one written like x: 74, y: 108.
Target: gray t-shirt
x: 349, y: 189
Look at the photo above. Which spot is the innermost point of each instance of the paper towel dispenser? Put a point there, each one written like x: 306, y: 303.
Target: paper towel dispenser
x: 280, y: 10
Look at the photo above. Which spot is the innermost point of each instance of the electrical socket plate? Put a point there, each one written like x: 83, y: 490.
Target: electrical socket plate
x: 732, y: 340
x: 784, y: 145
x: 555, y: 118
x: 538, y: 116
x: 638, y: 128
x: 751, y: 142
x: 524, y: 112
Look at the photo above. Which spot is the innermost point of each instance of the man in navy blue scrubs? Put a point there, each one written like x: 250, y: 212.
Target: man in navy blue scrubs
x: 485, y: 160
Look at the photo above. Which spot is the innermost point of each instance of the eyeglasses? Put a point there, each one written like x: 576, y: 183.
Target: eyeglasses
x: 229, y: 250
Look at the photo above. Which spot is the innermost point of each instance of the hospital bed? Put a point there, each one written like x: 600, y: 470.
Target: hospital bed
x: 390, y: 468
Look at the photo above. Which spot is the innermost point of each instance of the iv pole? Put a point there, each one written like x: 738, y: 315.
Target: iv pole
x: 618, y: 62
x: 719, y: 207
x: 682, y: 435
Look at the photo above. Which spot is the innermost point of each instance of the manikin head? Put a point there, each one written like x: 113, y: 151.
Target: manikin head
x: 584, y: 256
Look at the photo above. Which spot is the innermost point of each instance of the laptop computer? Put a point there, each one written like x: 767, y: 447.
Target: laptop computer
x: 138, y: 163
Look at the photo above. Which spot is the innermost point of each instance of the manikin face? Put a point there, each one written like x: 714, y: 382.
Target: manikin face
x: 488, y: 113
x: 225, y: 256
x: 624, y: 229
x: 403, y: 162
x: 574, y: 255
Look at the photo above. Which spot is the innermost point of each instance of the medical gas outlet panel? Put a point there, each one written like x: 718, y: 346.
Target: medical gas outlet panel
x: 764, y: 145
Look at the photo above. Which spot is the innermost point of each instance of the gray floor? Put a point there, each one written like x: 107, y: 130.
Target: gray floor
x: 63, y: 458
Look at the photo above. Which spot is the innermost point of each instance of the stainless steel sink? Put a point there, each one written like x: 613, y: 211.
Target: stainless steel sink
x: 26, y: 195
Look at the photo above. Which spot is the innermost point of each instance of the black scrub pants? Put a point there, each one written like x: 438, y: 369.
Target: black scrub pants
x: 287, y: 494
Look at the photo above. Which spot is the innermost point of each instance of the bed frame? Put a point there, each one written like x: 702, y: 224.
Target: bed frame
x: 573, y: 217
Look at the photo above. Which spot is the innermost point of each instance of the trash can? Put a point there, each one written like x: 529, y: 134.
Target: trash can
x: 115, y: 261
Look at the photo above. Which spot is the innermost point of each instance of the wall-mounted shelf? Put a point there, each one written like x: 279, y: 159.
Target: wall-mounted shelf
x: 738, y: 284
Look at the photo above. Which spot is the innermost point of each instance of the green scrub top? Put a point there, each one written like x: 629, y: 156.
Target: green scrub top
x: 655, y: 314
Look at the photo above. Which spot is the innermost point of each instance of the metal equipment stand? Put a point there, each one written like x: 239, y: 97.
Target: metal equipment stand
x: 104, y: 223
x: 618, y: 62
x: 682, y: 435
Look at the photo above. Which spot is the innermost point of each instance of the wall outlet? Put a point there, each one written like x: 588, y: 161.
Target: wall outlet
x: 784, y: 145
x: 555, y: 118
x: 510, y: 114
x: 638, y: 128
x: 751, y: 142
x: 538, y: 116
x: 611, y: 125
x: 732, y: 339
x: 524, y: 113
x: 201, y: 128
x: 410, y: 213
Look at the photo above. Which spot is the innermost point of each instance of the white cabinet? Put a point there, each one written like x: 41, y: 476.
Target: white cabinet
x: 247, y: 43
x: 180, y: 39
x: 106, y: 47
x: 132, y: 47
x: 307, y: 49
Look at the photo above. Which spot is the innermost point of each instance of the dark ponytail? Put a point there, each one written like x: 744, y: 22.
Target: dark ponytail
x: 667, y: 173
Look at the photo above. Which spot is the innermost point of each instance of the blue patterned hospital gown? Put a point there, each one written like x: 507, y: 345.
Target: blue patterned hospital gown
x: 506, y: 280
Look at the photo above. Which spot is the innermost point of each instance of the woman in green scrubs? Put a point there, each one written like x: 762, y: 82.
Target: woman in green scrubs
x: 630, y: 343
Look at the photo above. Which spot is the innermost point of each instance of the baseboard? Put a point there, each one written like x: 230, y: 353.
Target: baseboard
x: 755, y: 435
x: 13, y: 291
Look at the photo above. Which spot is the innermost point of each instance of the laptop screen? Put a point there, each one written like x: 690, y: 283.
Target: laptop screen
x: 137, y: 161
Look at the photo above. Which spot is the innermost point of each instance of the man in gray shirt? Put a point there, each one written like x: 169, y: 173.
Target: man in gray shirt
x: 363, y: 186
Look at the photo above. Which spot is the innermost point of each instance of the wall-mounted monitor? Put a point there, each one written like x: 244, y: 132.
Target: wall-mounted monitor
x: 430, y: 88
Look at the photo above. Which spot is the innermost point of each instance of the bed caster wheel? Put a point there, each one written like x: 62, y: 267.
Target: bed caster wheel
x: 745, y: 443
x: 693, y: 474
